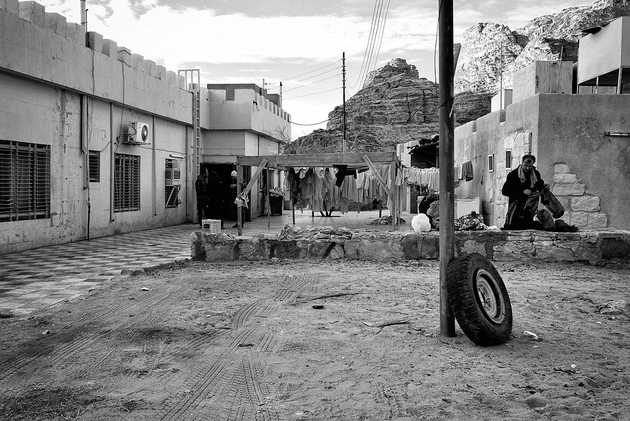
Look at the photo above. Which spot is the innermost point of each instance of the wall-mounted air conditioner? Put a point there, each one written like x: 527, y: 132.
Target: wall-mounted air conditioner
x: 138, y: 133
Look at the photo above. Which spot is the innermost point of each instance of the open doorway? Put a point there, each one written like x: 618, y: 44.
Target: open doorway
x: 222, y: 191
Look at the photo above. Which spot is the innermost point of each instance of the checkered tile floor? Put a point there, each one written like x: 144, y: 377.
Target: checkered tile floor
x: 37, y: 278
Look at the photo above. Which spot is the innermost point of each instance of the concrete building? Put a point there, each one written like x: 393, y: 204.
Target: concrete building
x: 242, y: 119
x: 581, y: 141
x: 96, y: 140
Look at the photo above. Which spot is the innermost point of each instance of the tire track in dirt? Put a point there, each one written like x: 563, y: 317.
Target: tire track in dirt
x: 57, y: 355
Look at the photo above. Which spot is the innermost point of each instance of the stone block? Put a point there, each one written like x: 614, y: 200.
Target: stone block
x: 553, y: 252
x: 472, y: 246
x: 566, y: 178
x: 411, y: 246
x: 197, y: 250
x: 56, y: 23
x: 220, y: 252
x: 585, y: 203
x: 95, y: 41
x: 110, y: 48
x: 560, y: 168
x: 570, y: 189
x: 32, y: 12
x: 597, y: 220
x: 286, y: 249
x: 337, y: 252
x: 615, y: 247
x: 11, y: 6
x: 514, y: 250
x: 161, y: 72
x: 317, y: 249
x: 566, y: 202
x: 579, y: 219
x: 253, y: 249
x: 429, y: 246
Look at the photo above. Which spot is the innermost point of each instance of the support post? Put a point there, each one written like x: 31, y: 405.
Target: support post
x: 446, y: 161
x: 392, y: 194
x: 267, y: 201
x: 239, y: 207
x: 620, y: 81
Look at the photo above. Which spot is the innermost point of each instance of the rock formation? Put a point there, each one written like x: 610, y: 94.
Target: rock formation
x: 394, y: 106
x: 489, y: 49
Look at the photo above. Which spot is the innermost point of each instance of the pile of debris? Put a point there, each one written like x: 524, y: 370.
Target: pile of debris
x: 290, y: 232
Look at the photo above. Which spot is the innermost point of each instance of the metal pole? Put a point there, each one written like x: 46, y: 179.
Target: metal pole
x: 446, y: 160
x: 620, y: 81
x: 84, y: 15
x: 239, y: 208
x: 343, y: 72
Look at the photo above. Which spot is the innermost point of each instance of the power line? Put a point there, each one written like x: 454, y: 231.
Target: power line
x: 373, y: 59
x: 315, y: 93
x: 313, y: 82
x: 311, y: 124
x: 371, y: 52
x: 300, y: 76
x: 367, y: 46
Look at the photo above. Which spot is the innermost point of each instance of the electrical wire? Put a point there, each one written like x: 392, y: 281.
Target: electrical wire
x: 311, y: 83
x: 300, y: 76
x: 312, y: 124
x: 367, y: 46
x: 380, y: 41
x: 371, y: 52
x: 375, y: 53
x: 314, y: 93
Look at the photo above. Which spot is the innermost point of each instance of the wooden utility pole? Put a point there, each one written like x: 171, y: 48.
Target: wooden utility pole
x: 447, y: 150
x: 84, y: 15
x: 343, y: 72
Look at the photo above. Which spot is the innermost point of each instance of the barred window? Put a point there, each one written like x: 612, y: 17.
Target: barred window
x: 24, y: 181
x: 172, y: 177
x: 508, y: 160
x: 126, y: 183
x: 95, y: 166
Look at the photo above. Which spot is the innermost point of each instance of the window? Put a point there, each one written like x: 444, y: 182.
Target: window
x: 172, y: 177
x: 94, y: 166
x: 126, y: 183
x: 24, y: 181
x: 491, y: 163
x: 508, y: 160
x: 229, y: 93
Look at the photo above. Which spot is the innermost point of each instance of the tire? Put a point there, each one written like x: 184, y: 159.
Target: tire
x: 479, y: 300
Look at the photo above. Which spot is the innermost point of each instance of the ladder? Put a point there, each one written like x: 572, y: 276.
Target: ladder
x: 193, y: 84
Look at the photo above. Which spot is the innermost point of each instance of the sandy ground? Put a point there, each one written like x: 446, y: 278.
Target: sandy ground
x: 254, y: 342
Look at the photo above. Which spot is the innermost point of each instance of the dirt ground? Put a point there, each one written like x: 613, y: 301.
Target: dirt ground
x: 252, y: 341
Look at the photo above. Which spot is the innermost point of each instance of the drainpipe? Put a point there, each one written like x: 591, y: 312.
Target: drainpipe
x: 154, y: 184
x: 111, y: 162
x: 86, y: 161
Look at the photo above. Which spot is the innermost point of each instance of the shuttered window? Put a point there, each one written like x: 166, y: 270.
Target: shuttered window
x: 95, y: 166
x: 126, y: 183
x: 172, y: 177
x: 24, y: 181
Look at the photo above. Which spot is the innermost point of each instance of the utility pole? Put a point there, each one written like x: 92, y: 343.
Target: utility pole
x: 280, y: 95
x: 446, y: 161
x: 84, y: 15
x: 343, y: 72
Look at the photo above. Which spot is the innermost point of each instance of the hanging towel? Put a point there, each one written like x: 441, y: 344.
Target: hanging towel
x: 467, y: 171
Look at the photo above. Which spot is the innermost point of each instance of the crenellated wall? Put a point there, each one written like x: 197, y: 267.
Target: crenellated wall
x: 45, y: 47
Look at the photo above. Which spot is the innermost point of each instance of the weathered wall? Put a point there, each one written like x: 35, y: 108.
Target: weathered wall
x: 45, y: 68
x: 603, y: 51
x: 572, y: 132
x: 489, y: 135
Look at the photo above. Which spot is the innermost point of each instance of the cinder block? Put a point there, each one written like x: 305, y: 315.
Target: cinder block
x: 110, y: 48
x: 10, y: 6
x: 95, y: 41
x: 597, y: 220
x: 161, y: 72
x: 172, y: 79
x: 124, y: 55
x: 565, y: 178
x: 32, y: 12
x: 573, y: 189
x: 136, y: 60
x: 579, y: 219
x: 76, y: 33
x: 560, y: 168
x: 585, y: 203
x: 56, y: 23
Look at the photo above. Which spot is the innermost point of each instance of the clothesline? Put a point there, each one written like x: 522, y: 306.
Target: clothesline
x: 430, y: 177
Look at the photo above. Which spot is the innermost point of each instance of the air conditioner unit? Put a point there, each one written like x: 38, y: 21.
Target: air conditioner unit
x: 138, y: 133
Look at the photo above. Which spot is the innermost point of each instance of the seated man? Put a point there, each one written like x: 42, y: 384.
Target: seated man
x: 523, y: 186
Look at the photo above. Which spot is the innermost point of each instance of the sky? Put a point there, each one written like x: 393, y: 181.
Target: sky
x: 298, y: 42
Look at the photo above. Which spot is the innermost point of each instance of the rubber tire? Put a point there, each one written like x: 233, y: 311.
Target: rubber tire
x: 466, y: 306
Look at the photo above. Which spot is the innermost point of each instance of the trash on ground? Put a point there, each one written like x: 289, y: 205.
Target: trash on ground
x: 532, y: 336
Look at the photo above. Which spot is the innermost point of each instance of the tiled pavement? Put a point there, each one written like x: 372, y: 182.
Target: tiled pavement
x: 33, y: 279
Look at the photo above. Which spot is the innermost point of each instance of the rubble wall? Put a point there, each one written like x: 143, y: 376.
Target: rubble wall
x: 521, y: 246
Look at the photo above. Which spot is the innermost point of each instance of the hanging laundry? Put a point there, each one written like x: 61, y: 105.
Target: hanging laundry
x: 467, y: 171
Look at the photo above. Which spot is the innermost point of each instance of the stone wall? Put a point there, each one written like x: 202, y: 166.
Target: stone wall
x: 522, y: 246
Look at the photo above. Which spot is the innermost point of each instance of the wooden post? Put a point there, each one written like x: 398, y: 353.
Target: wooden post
x: 293, y: 210
x: 267, y: 201
x: 446, y: 161
x: 620, y: 81
x: 392, y: 194
x: 239, y: 208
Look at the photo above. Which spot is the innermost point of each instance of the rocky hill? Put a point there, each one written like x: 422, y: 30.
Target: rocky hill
x: 394, y: 106
x: 490, y: 48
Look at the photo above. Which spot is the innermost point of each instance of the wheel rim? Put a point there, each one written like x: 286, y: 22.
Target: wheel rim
x: 490, y: 300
